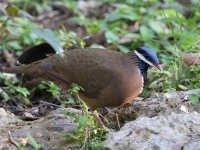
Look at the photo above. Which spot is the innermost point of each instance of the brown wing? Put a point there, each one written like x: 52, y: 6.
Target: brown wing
x: 91, y: 69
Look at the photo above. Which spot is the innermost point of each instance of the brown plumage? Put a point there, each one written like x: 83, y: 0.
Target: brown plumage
x: 109, y: 78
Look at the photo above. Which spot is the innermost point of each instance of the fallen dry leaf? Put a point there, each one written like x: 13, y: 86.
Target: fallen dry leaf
x: 192, y: 59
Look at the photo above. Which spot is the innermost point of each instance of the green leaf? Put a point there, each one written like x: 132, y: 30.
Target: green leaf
x: 42, y: 86
x: 128, y: 14
x: 49, y: 37
x: 146, y: 33
x: 72, y: 114
x: 188, y: 34
x: 123, y: 49
x: 75, y: 88
x: 26, y: 100
x: 6, y: 96
x: 23, y: 91
x: 113, y: 17
x: 170, y: 12
x: 82, y: 121
x: 14, y: 44
x: 34, y: 143
x: 13, y: 30
x: 193, y: 98
x: 197, y: 85
x: 3, y: 10
x: 156, y: 27
x: 76, y: 20
x: 111, y: 37
x: 21, y: 13
x: 104, y: 26
x: 153, y: 44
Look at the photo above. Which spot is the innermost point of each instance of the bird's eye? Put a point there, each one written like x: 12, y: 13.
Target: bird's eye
x: 146, y: 56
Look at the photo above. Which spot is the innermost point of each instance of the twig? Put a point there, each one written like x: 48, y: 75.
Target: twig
x: 50, y: 104
x: 32, y: 109
x: 118, y: 121
x: 5, y: 88
x: 85, y: 140
x: 12, y: 140
x: 47, y: 15
x: 4, y: 24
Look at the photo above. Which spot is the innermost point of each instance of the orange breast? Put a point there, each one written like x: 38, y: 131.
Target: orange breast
x: 117, y: 93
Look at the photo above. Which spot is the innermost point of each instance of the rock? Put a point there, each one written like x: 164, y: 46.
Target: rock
x: 6, y: 118
x: 157, y: 104
x: 173, y: 132
x: 45, y: 130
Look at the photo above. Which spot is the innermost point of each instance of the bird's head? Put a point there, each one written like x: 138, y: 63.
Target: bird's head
x: 148, y: 58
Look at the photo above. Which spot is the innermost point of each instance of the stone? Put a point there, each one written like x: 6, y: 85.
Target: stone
x: 172, y: 132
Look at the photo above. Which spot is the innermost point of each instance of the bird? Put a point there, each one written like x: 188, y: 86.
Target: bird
x: 109, y: 78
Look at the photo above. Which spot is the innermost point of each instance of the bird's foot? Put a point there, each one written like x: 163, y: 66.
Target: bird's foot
x: 96, y: 116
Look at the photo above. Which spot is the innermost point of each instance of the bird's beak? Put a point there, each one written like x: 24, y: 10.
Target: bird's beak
x: 158, y: 66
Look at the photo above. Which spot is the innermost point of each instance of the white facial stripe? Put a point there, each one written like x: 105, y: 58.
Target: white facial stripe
x: 142, y: 84
x: 143, y: 58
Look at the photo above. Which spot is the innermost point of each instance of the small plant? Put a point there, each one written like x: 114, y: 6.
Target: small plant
x: 88, y: 134
x: 194, y: 98
x: 34, y: 145
x: 15, y: 21
x: 4, y: 94
x: 75, y: 88
x: 70, y: 40
x: 51, y: 88
x: 12, y: 91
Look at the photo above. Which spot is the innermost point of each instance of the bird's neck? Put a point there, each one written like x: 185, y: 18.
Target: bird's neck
x: 143, y: 67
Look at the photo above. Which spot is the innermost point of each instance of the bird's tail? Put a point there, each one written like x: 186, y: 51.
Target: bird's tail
x: 30, y: 69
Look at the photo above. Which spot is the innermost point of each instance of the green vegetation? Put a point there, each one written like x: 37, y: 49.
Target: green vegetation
x: 88, y: 133
x: 34, y: 145
x: 170, y: 27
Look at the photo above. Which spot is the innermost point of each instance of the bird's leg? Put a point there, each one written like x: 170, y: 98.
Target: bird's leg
x: 96, y: 116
